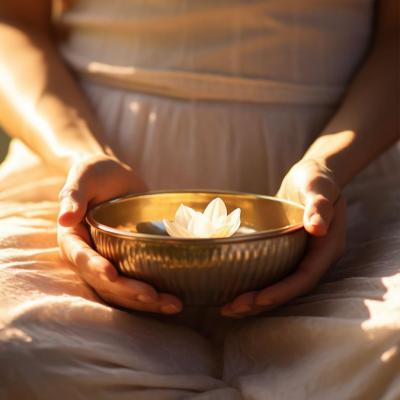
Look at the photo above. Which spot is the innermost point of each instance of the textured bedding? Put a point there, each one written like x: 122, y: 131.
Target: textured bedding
x: 58, y: 340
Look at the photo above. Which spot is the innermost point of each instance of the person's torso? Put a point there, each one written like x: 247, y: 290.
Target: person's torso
x: 259, y: 79
x: 315, y: 44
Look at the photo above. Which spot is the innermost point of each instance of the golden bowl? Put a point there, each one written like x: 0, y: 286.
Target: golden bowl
x: 206, y: 272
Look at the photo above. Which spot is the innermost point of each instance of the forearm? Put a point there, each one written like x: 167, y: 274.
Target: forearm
x: 367, y: 122
x: 40, y: 101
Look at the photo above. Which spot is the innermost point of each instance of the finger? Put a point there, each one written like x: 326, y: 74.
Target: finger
x: 241, y: 305
x: 280, y: 293
x: 130, y: 293
x: 73, y: 205
x: 87, y: 261
x: 310, y: 271
x: 131, y: 290
x: 169, y: 304
x: 300, y: 282
x: 100, y: 274
x: 322, y: 252
x: 318, y: 214
x: 73, y: 198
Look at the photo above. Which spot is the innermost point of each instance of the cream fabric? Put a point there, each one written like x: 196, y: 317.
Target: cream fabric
x: 224, y: 94
x: 57, y: 340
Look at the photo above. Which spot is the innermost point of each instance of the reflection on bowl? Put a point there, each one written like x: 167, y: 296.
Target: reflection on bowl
x: 267, y: 247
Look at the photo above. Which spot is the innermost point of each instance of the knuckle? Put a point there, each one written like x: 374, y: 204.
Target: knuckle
x: 323, y: 186
x: 319, y: 201
x: 315, y: 181
x: 67, y: 192
x: 81, y: 257
x: 132, y: 295
x: 319, y: 183
x: 320, y: 204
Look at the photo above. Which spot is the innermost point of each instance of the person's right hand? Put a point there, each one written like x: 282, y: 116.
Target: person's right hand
x: 91, y: 181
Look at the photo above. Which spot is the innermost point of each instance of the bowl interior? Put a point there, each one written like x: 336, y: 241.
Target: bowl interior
x: 260, y: 213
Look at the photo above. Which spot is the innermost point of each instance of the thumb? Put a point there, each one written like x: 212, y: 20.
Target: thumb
x: 73, y: 201
x: 318, y: 214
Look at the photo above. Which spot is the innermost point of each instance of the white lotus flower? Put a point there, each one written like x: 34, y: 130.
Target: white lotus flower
x: 213, y: 223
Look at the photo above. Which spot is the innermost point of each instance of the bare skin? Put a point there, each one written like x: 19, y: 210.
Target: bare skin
x: 366, y: 124
x: 43, y: 106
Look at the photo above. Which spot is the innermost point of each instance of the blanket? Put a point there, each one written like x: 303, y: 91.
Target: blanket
x: 59, y: 340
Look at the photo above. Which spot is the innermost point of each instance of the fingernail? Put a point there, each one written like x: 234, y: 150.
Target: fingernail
x: 169, y: 309
x: 144, y: 298
x: 243, y: 308
x: 316, y: 219
x: 226, y: 309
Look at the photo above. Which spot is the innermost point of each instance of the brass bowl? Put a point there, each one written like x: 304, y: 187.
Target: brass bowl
x: 200, y: 271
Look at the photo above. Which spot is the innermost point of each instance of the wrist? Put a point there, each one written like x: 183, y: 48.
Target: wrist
x: 83, y: 153
x: 96, y: 160
x: 79, y: 141
x: 72, y: 157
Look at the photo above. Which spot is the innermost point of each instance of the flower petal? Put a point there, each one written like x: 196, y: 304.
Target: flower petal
x: 234, y: 216
x: 215, y: 209
x: 233, y: 219
x: 214, y: 222
x: 222, y: 231
x: 200, y: 225
x: 176, y: 230
x: 183, y: 215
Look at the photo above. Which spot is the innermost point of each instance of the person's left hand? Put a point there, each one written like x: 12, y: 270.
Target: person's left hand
x: 312, y: 185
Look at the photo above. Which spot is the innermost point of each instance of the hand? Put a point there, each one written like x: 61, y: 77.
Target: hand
x: 92, y: 181
x: 312, y: 185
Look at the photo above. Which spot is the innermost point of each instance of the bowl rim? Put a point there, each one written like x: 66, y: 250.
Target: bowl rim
x: 93, y: 223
